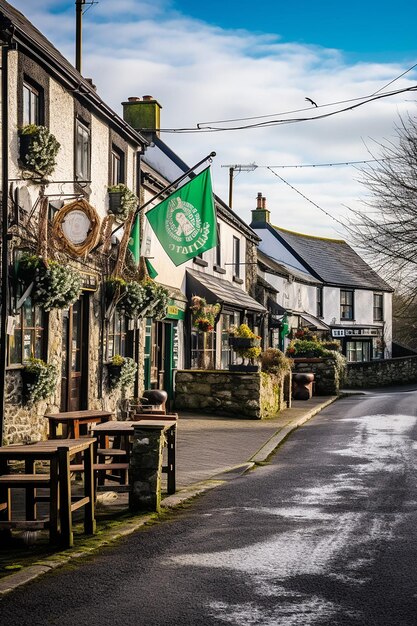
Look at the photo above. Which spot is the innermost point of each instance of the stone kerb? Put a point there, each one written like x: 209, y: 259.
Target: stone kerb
x: 254, y: 395
x: 397, y: 371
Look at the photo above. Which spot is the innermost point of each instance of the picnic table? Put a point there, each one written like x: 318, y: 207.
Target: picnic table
x: 144, y: 455
x: 74, y: 419
x: 62, y: 502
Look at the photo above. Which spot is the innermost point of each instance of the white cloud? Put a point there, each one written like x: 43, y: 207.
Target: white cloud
x: 199, y: 73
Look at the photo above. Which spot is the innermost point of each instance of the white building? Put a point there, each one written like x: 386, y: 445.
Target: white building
x: 326, y: 286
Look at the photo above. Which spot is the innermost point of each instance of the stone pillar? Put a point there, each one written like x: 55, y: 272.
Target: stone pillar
x: 145, y: 469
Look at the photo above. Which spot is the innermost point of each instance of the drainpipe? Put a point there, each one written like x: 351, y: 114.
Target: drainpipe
x: 136, y: 335
x: 4, y: 233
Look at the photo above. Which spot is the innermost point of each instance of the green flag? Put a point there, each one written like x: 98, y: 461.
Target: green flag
x: 134, y: 241
x: 151, y: 270
x: 185, y: 223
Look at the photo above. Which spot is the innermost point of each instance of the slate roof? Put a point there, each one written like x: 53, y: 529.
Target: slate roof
x: 273, y: 266
x: 332, y: 260
x: 34, y: 43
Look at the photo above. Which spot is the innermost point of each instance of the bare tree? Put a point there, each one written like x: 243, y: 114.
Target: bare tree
x: 386, y: 229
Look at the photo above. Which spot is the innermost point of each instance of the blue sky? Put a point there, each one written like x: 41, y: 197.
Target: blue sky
x: 363, y: 29
x: 221, y: 60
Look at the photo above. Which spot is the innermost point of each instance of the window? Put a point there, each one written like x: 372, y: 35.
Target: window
x: 319, y: 301
x: 236, y: 257
x: 346, y: 304
x: 378, y: 307
x: 117, y: 174
x: 203, y: 350
x: 32, y: 101
x: 27, y: 338
x: 82, y: 151
x: 116, y: 342
x: 357, y: 351
x: 218, y: 248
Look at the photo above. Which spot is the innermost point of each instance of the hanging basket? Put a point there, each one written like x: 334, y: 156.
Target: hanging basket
x: 243, y: 343
x: 115, y: 202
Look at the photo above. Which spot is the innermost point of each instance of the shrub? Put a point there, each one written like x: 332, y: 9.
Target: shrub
x: 305, y: 348
x: 122, y: 371
x: 274, y: 361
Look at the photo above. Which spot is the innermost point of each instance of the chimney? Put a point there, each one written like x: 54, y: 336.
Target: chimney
x: 261, y: 214
x: 143, y: 114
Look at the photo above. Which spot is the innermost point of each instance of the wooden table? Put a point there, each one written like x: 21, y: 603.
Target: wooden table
x: 62, y: 503
x: 74, y: 419
x: 126, y: 431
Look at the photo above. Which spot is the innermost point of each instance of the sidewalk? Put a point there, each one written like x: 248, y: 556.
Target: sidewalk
x: 210, y: 450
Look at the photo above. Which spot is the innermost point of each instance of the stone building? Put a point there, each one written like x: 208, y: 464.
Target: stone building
x: 60, y: 214
x: 57, y: 211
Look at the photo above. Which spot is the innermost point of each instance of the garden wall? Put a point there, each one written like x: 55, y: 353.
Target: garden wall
x: 398, y: 371
x: 255, y: 395
x: 326, y: 375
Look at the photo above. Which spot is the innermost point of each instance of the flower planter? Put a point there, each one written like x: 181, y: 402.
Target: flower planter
x: 24, y: 144
x: 244, y: 368
x: 114, y: 372
x: 115, y: 202
x: 243, y: 343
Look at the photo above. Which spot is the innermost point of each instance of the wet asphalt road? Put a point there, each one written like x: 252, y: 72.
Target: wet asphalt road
x: 324, y: 535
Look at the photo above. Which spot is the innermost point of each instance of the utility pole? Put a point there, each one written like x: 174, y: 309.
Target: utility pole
x: 237, y: 168
x: 78, y: 32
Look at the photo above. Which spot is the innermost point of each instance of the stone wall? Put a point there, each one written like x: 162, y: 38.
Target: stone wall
x: 326, y: 376
x: 398, y: 371
x: 247, y: 395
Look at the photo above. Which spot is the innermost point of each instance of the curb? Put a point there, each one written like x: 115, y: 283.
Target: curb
x: 13, y: 581
x: 269, y: 447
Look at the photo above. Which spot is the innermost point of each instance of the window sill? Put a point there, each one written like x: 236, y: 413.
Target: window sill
x: 200, y: 262
x: 218, y: 269
x: 14, y: 366
x: 237, y: 280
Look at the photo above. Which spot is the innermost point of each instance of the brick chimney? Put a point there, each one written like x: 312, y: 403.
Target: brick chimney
x: 261, y: 214
x: 143, y: 114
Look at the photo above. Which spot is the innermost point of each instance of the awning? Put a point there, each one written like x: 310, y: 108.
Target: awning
x: 275, y: 308
x: 215, y: 289
x: 313, y: 322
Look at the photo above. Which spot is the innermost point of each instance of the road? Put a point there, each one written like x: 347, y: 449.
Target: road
x: 324, y: 535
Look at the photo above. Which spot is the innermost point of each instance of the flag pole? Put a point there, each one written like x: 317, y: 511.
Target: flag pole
x: 165, y: 189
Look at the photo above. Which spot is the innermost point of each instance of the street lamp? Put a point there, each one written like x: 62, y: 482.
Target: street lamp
x: 237, y: 168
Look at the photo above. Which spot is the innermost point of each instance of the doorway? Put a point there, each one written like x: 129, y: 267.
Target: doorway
x: 74, y: 388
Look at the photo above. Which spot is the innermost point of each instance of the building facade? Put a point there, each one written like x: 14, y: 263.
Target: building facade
x: 324, y: 285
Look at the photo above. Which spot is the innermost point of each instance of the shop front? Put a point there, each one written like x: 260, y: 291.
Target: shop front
x: 360, y: 343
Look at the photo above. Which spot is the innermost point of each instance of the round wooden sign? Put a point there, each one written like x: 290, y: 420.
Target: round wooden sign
x: 76, y: 226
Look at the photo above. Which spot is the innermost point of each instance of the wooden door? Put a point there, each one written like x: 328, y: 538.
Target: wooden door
x: 75, y: 356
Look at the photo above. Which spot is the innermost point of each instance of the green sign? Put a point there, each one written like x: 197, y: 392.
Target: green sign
x: 185, y: 223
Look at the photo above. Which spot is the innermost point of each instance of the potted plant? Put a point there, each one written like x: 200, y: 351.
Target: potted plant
x: 204, y: 315
x: 55, y: 286
x: 122, y: 371
x: 241, y: 337
x: 38, y: 149
x: 249, y: 349
x: 39, y: 380
x: 121, y: 200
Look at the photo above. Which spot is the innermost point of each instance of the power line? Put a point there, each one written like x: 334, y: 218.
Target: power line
x: 305, y: 197
x: 304, y: 165
x: 394, y: 79
x: 279, y: 122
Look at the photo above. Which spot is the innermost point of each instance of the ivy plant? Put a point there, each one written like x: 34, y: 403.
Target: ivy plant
x: 39, y: 380
x: 38, y: 149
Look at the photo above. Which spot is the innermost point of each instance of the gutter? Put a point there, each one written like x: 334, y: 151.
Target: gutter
x: 4, y: 230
